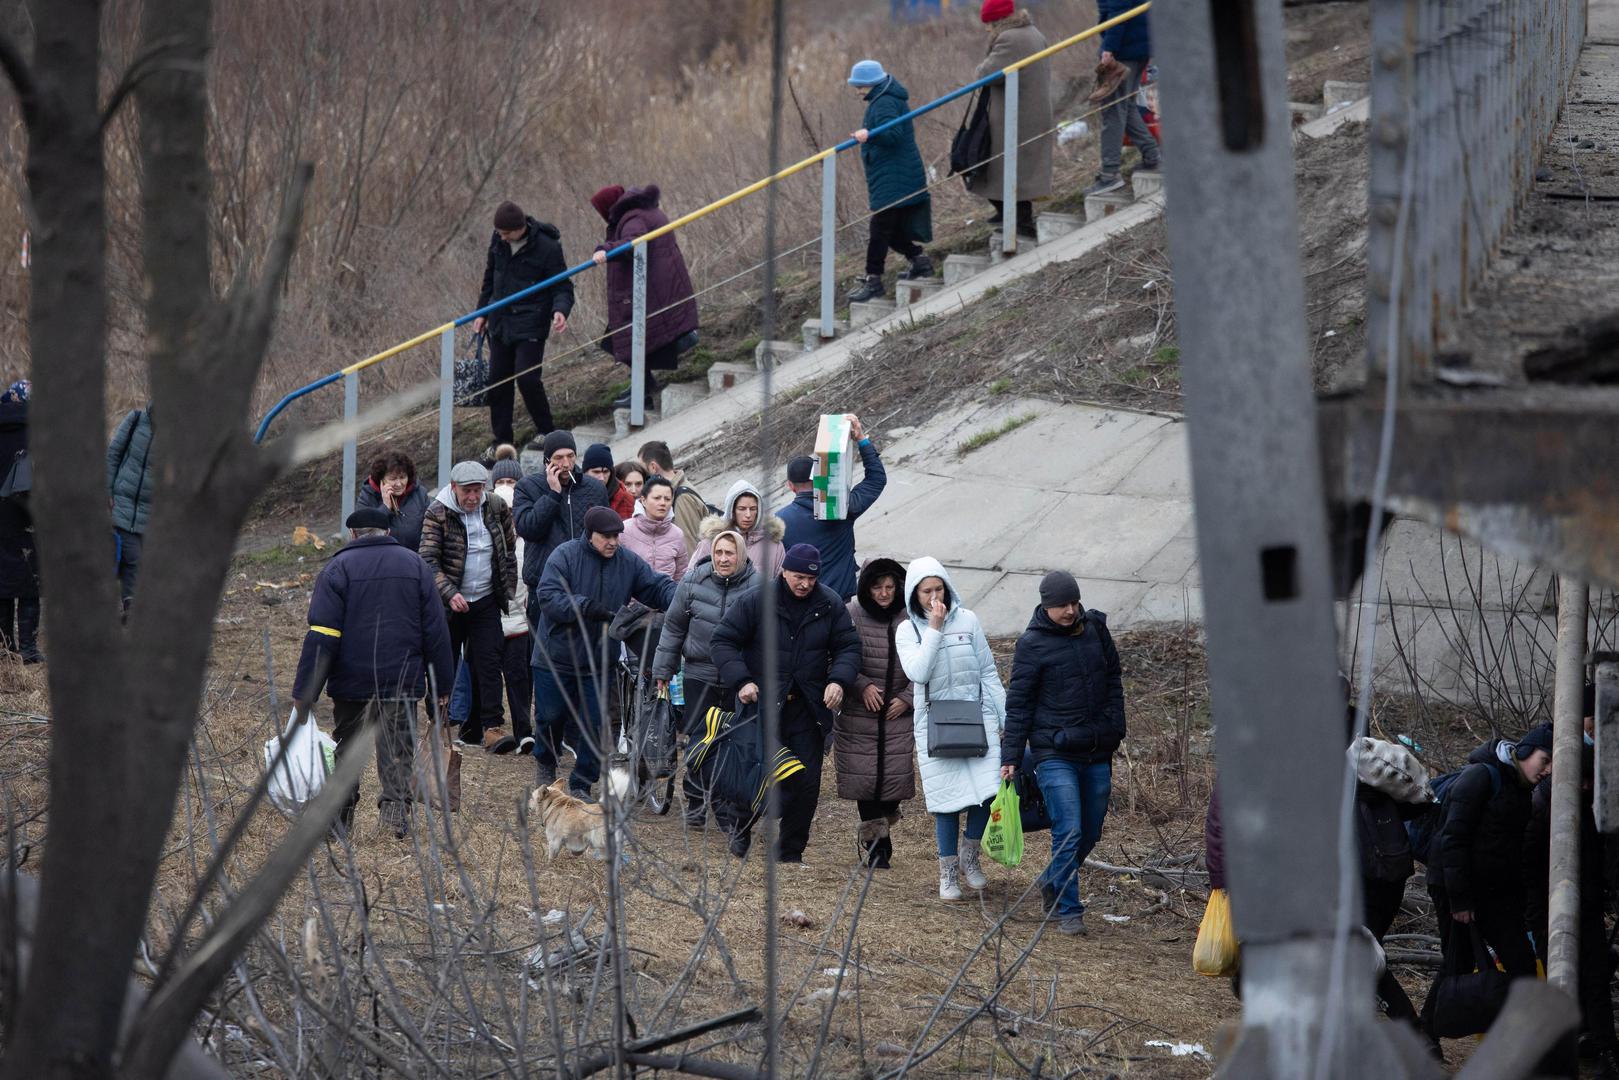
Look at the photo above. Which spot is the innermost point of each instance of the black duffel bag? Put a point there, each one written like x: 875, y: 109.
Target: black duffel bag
x: 726, y: 760
x: 1467, y: 996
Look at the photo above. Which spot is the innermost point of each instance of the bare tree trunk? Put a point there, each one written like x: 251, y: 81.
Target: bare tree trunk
x: 111, y: 808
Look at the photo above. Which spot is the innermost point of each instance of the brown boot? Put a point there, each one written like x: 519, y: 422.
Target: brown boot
x: 492, y: 736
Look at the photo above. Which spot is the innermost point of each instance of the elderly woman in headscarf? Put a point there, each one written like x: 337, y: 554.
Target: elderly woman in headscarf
x: 873, y: 738
x: 745, y: 512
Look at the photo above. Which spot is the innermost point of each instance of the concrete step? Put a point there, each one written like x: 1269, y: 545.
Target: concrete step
x: 1305, y: 111
x: 621, y: 422
x: 812, y: 333
x: 996, y: 255
x: 678, y: 397
x: 1098, y: 207
x: 1334, y: 93
x: 958, y: 268
x: 869, y: 311
x: 908, y: 291
x: 1143, y: 184
x: 1051, y: 225
x: 776, y: 352
x: 723, y: 375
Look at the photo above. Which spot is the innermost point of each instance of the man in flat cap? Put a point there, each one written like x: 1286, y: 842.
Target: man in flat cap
x: 376, y: 625
x: 469, y: 541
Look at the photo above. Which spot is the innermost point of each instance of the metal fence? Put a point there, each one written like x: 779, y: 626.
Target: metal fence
x: 637, y: 249
x: 1464, y: 95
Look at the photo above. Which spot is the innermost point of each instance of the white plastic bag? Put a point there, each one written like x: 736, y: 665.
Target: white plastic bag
x: 1391, y: 769
x: 311, y: 758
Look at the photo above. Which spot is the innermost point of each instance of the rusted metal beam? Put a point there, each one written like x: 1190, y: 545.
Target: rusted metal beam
x: 1531, y: 473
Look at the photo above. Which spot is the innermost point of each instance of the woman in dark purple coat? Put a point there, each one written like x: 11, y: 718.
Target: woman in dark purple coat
x: 671, y: 308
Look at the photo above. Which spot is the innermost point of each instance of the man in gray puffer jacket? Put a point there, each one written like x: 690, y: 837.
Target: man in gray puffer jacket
x: 705, y: 594
x: 129, y: 491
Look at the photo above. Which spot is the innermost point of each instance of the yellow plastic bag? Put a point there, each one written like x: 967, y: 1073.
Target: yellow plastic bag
x: 1216, y: 951
x: 1003, y: 836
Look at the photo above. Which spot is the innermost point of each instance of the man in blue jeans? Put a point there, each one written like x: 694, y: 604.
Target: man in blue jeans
x: 1066, y: 703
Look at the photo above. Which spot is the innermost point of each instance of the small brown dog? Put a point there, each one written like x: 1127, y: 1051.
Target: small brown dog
x: 568, y: 822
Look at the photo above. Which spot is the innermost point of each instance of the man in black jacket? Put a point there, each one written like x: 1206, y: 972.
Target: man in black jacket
x: 1476, y: 864
x: 1066, y: 703
x: 817, y: 663
x: 522, y: 253
x: 376, y: 616
x: 550, y: 508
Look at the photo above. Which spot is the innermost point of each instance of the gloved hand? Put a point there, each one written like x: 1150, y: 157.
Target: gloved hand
x: 596, y: 611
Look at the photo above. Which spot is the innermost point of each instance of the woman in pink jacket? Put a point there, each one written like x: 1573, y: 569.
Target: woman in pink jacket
x: 653, y: 534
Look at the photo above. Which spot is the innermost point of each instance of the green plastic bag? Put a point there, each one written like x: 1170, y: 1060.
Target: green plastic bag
x: 1003, y: 837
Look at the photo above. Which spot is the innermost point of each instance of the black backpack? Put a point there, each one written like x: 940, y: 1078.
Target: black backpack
x: 1425, y: 828
x: 971, y: 148
x: 713, y: 510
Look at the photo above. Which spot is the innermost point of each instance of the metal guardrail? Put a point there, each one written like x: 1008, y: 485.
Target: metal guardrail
x: 637, y: 248
x: 1465, y: 94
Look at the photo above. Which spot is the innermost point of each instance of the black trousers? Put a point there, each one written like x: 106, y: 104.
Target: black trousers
x: 514, y: 669
x: 801, y: 733
x: 876, y: 809
x: 1025, y: 215
x: 477, y: 630
x: 395, y: 745
x: 1382, y: 907
x: 1500, y: 922
x: 700, y: 696
x: 19, y: 624
x: 886, y: 236
x: 523, y: 359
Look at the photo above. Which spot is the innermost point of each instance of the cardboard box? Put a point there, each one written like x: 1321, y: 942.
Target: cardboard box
x: 834, y: 465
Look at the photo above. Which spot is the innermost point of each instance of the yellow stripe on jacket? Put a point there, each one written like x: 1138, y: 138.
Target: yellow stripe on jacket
x: 329, y: 631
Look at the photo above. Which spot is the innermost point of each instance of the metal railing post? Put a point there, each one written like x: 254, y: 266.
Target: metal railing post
x: 446, y: 404
x: 638, y: 341
x: 351, y: 409
x: 1009, y: 149
x: 829, y: 242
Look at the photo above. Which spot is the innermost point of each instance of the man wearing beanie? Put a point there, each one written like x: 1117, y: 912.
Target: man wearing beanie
x: 833, y: 539
x: 550, y: 508
x: 585, y: 582
x: 522, y: 253
x: 470, y: 544
x: 1065, y: 702
x: 1476, y: 865
x: 376, y: 625
x: 817, y: 663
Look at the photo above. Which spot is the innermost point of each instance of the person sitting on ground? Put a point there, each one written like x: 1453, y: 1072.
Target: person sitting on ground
x: 896, y: 183
x: 707, y: 592
x: 671, y: 302
x: 744, y: 512
x: 469, y: 542
x: 1066, y: 703
x: 944, y: 652
x: 631, y: 477
x: 817, y: 662
x: 391, y: 484
x: 873, y: 738
x: 1476, y: 872
x: 376, y: 615
x: 585, y: 582
x: 1013, y: 36
x: 834, y: 539
x: 653, y: 535
x: 690, y: 508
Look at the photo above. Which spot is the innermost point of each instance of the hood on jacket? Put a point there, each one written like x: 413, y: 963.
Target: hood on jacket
x: 447, y: 497
x: 704, y: 571
x: 869, y: 573
x: 1042, y: 622
x: 920, y: 569
x: 647, y: 525
x: 774, y: 528
x: 890, y: 87
x: 1497, y: 752
x: 544, y: 227
x: 636, y: 198
x: 1015, y: 21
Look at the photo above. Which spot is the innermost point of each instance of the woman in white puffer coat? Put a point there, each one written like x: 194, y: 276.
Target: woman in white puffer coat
x: 946, y: 655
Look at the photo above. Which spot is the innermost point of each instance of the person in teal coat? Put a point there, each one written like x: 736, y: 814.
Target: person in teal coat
x: 896, y: 182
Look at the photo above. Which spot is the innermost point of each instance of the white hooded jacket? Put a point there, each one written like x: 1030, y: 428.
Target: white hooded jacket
x: 952, y: 664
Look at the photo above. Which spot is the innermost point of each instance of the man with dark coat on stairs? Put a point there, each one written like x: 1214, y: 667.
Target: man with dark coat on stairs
x: 817, y: 665
x: 522, y: 253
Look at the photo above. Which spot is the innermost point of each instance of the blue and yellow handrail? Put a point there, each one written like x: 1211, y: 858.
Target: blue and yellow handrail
x: 702, y: 212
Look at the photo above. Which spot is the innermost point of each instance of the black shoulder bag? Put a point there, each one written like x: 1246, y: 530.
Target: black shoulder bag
x: 970, y: 148
x: 955, y: 728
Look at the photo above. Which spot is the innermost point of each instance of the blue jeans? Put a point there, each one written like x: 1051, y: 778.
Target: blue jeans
x: 461, y: 695
x: 561, y: 703
x: 946, y: 827
x: 1076, y: 796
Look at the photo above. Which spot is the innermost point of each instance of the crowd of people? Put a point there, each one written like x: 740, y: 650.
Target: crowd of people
x: 497, y: 598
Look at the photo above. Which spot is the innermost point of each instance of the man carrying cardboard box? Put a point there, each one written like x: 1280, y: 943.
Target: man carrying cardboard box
x: 833, y: 538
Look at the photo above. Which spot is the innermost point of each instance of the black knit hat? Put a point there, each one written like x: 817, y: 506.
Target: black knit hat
x: 558, y: 440
x: 1538, y: 737
x: 1058, y: 588
x: 597, y: 456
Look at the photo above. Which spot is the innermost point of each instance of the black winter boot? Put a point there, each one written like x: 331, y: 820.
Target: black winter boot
x: 28, y: 630
x: 871, y: 288
x: 8, y: 623
x: 921, y: 267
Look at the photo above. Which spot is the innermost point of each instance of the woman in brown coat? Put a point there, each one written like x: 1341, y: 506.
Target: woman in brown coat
x: 873, y: 739
x: 1012, y: 36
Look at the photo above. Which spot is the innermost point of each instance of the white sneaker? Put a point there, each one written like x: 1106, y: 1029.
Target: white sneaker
x: 972, y: 869
x: 949, y: 886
